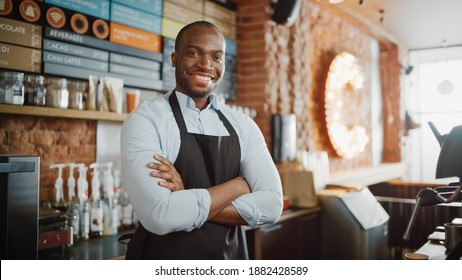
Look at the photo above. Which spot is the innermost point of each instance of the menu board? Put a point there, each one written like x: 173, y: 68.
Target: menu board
x: 119, y: 38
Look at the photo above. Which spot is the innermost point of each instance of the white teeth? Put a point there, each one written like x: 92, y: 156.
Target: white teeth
x: 202, y: 78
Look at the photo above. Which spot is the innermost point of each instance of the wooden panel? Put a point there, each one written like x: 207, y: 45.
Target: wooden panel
x: 63, y: 113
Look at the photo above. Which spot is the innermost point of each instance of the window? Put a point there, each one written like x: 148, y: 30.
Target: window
x: 434, y: 93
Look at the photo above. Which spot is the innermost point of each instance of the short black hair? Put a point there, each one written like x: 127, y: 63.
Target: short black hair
x: 200, y: 23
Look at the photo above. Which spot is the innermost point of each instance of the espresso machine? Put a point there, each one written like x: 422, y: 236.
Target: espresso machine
x: 19, y: 186
x: 449, y: 165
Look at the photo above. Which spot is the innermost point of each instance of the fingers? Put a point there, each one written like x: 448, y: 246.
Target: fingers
x: 159, y: 167
x: 172, y: 187
x: 162, y: 175
x: 161, y: 171
x: 165, y: 170
x: 163, y: 165
x: 163, y: 160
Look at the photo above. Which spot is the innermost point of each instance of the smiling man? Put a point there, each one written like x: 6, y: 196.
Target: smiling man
x: 199, y: 61
x: 195, y: 169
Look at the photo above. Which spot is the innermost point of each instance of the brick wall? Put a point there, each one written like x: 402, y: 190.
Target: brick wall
x: 55, y: 140
x: 281, y: 70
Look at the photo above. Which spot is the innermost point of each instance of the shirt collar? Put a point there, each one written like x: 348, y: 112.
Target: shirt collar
x: 187, y: 102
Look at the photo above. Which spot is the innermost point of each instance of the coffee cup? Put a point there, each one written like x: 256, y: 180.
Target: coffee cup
x: 453, y: 233
x: 132, y: 100
x: 416, y: 256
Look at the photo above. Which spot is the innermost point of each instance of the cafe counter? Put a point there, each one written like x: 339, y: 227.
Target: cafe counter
x: 294, y: 236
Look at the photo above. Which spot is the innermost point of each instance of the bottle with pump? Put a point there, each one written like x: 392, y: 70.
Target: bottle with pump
x: 82, y: 193
x: 110, y: 209
x: 59, y: 202
x: 73, y: 210
x: 127, y: 211
x: 71, y: 182
x: 85, y: 221
x: 117, y: 191
x: 96, y: 205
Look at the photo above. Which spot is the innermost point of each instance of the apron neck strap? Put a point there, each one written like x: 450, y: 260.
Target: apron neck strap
x: 173, y: 100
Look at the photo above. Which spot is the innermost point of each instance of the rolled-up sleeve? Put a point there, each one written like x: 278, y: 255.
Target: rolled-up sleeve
x: 159, y: 210
x: 264, y: 204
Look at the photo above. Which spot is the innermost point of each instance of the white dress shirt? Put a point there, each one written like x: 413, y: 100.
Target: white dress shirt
x: 151, y: 129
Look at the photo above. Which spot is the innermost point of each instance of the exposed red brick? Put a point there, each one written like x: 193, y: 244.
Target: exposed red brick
x: 258, y: 44
x: 45, y: 137
x: 290, y: 76
x: 83, y: 152
x: 87, y: 137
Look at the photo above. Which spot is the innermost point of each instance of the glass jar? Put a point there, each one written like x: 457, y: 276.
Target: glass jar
x: 40, y: 91
x: 34, y: 90
x: 57, y: 94
x: 29, y: 89
x: 77, y: 95
x: 12, y: 88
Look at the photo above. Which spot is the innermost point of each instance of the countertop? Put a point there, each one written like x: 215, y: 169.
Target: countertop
x: 437, y: 251
x: 108, y: 247
x: 101, y: 248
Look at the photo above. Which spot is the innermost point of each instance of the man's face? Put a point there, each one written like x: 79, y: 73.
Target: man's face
x: 200, y: 62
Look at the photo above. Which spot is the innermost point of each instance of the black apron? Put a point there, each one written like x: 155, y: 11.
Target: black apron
x: 203, y: 161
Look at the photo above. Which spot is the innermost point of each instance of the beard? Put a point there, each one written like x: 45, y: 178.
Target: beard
x: 191, y: 91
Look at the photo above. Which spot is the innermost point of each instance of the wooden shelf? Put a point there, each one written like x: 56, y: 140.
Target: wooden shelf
x: 61, y: 113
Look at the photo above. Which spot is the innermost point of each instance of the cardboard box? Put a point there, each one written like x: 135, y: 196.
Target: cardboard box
x: 299, y: 186
x: 30, y: 61
x: 149, y: 6
x: 135, y: 38
x: 96, y: 8
x: 20, y: 33
x: 181, y: 14
x: 219, y: 12
x: 138, y: 19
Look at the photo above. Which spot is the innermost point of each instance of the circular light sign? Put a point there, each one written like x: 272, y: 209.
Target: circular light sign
x: 343, y: 102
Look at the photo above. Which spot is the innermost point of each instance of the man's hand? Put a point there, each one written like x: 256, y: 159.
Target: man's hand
x: 165, y: 170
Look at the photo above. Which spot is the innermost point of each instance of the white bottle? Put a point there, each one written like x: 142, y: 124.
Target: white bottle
x: 82, y: 193
x: 108, y: 184
x: 110, y: 209
x: 73, y: 209
x: 117, y: 182
x: 58, y: 202
x: 117, y: 192
x: 71, y: 182
x: 127, y: 211
x: 73, y: 217
x: 82, y: 183
x: 96, y: 207
x: 85, y: 221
